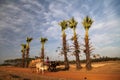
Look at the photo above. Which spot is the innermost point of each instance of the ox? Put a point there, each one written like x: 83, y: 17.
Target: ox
x: 41, y: 67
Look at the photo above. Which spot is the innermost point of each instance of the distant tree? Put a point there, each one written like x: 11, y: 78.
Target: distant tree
x: 95, y: 56
x: 23, y: 54
x: 73, y: 25
x: 87, y: 22
x: 28, y: 40
x: 43, y: 41
x: 63, y: 25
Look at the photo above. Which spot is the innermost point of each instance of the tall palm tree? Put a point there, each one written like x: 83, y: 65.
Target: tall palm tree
x: 87, y: 22
x: 73, y: 25
x: 43, y: 41
x: 63, y: 25
x: 23, y: 54
x: 28, y: 40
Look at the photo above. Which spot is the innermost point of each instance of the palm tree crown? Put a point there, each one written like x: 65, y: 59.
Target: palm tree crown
x: 63, y: 24
x: 87, y: 22
x: 43, y: 40
x: 23, y: 47
x: 72, y: 23
x: 28, y: 40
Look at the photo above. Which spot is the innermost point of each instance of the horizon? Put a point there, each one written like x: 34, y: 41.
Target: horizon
x: 39, y: 18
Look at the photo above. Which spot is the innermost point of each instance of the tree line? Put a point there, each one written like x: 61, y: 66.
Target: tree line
x: 18, y: 61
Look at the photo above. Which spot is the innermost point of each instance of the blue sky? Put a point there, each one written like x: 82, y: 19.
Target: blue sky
x: 39, y: 18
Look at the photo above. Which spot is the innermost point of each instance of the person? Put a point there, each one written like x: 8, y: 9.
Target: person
x: 47, y: 61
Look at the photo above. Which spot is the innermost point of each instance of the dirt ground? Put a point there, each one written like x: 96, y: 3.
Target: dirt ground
x: 101, y: 71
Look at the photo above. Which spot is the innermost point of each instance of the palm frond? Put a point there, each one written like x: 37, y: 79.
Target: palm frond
x: 63, y: 24
x: 23, y: 45
x: 43, y: 40
x: 72, y: 23
x: 29, y: 39
x: 87, y: 22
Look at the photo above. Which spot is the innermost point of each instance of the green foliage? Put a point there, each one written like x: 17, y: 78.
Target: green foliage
x: 101, y: 59
x: 43, y: 40
x: 29, y: 39
x: 23, y: 48
x: 72, y: 23
x: 87, y: 22
x: 15, y: 62
x: 63, y: 24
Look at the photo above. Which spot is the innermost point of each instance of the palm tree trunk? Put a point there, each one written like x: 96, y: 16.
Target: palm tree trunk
x: 65, y: 51
x: 23, y: 59
x: 27, y: 57
x: 78, y: 65
x: 87, y: 51
x: 42, y: 51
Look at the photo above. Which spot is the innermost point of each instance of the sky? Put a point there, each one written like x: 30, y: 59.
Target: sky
x: 39, y: 18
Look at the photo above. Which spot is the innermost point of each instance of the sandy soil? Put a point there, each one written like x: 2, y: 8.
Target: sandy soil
x: 101, y: 71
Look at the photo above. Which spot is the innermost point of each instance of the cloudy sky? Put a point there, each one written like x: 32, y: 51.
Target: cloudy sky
x: 40, y: 18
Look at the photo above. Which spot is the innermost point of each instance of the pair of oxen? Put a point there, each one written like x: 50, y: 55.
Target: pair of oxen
x: 42, y: 66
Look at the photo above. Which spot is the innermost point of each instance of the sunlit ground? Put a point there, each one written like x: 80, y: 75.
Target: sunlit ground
x: 109, y: 70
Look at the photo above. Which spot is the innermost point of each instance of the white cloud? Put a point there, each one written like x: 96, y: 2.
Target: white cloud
x: 110, y: 23
x: 69, y: 33
x: 85, y: 7
x: 105, y: 39
x: 35, y: 3
x: 53, y: 30
x: 110, y: 51
x: 107, y: 3
x: 98, y: 25
x: 57, y: 11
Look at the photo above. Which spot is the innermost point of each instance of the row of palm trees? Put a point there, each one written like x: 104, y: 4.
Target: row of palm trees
x: 72, y: 23
x: 26, y: 48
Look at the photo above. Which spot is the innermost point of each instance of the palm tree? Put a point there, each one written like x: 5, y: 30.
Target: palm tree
x: 87, y: 22
x: 28, y: 40
x: 23, y: 54
x: 73, y: 25
x: 63, y: 26
x: 43, y: 41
